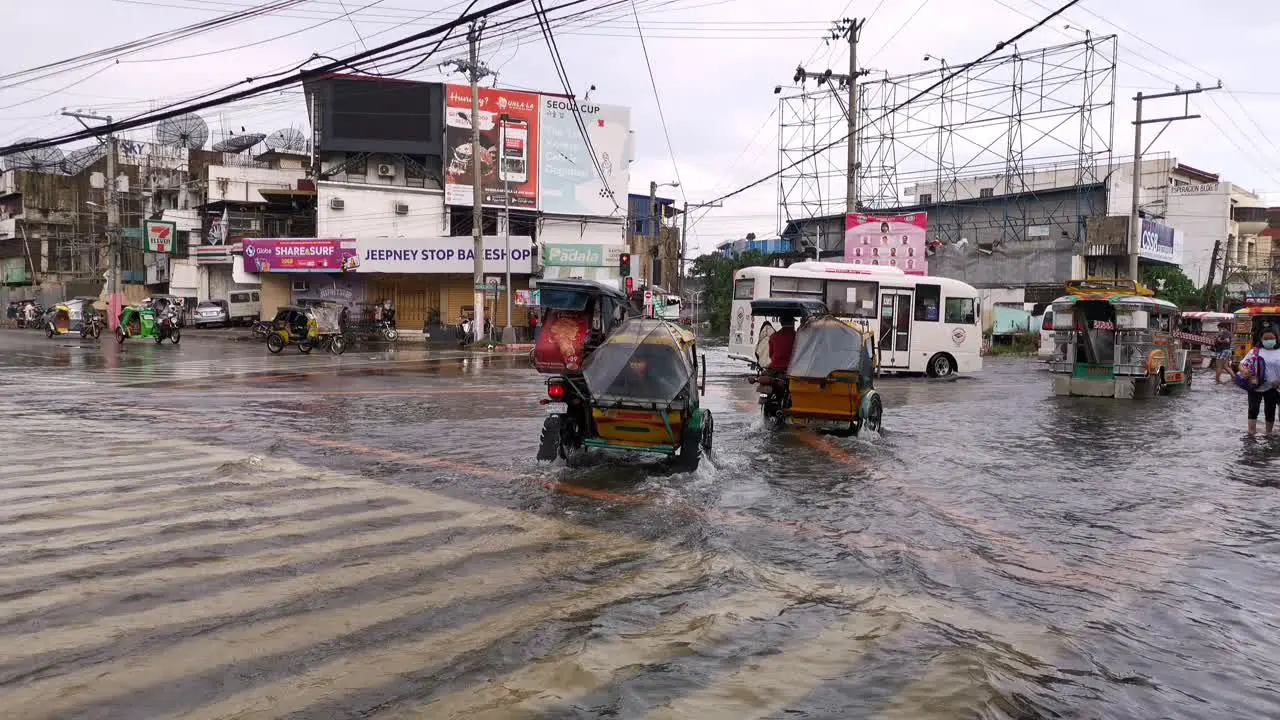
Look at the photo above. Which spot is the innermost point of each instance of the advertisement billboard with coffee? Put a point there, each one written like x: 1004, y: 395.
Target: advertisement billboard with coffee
x: 892, y: 240
x: 508, y: 147
x: 570, y: 182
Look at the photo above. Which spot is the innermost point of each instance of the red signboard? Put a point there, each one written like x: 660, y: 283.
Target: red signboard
x: 561, y: 342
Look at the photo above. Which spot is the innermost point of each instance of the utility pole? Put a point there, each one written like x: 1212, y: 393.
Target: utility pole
x: 655, y: 225
x: 1135, y: 226
x: 508, y: 332
x: 1213, y: 265
x: 115, y: 300
x: 475, y: 71
x: 684, y: 237
x: 849, y: 30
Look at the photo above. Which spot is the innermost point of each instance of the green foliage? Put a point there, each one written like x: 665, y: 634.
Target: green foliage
x: 1178, y: 288
x: 717, y: 273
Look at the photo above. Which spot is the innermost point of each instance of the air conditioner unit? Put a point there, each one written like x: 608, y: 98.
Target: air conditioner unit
x: 402, y: 208
x: 386, y: 170
x: 300, y: 286
x: 336, y: 203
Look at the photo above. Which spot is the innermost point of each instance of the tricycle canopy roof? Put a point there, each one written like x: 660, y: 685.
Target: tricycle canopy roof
x: 828, y: 344
x: 590, y: 287
x: 1107, y: 286
x: 783, y: 307
x: 1128, y: 300
x: 646, y: 361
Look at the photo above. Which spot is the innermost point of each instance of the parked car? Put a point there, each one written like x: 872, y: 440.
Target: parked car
x: 1046, y: 334
x: 211, y: 312
x: 244, y: 306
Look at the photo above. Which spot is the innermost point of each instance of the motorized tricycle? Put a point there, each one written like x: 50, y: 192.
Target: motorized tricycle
x: 640, y: 391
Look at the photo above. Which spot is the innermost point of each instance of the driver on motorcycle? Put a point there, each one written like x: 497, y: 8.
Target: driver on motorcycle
x: 781, y: 343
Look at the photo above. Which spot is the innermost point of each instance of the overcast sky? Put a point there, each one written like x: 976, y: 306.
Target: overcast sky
x: 715, y: 63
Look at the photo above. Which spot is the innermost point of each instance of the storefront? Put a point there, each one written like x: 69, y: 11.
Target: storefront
x: 432, y: 278
x: 295, y: 269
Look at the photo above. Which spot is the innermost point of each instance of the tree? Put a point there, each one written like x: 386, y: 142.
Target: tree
x: 717, y: 271
x: 1176, y: 287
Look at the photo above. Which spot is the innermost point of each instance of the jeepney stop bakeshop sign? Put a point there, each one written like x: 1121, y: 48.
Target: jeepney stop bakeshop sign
x: 298, y: 254
x: 441, y: 255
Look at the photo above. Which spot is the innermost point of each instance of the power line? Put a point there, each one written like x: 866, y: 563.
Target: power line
x: 383, y: 52
x: 658, y: 100
x: 956, y: 72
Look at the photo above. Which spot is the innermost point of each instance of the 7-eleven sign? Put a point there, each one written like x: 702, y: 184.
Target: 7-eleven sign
x: 159, y: 235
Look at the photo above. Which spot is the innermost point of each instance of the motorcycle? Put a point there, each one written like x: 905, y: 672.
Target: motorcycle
x: 92, y: 327
x: 261, y: 330
x: 773, y: 396
x: 167, y: 328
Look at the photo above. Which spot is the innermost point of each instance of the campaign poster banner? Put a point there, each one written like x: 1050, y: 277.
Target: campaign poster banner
x: 893, y: 240
x: 569, y: 182
x: 508, y: 147
x: 441, y: 255
x: 298, y: 254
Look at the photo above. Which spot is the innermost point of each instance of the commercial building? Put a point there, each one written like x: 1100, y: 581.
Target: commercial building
x: 393, y: 174
x: 654, y: 239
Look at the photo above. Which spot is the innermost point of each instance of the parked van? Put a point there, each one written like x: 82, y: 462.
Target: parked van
x: 1046, y: 333
x: 243, y: 306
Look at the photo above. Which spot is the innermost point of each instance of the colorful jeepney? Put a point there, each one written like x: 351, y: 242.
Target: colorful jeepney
x: 1113, y: 338
x: 1199, y: 328
x: 1258, y: 314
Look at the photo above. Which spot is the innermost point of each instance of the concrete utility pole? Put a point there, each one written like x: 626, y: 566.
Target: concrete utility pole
x: 849, y: 30
x: 508, y: 332
x: 654, y: 224
x: 1135, y: 224
x: 115, y: 299
x: 684, y: 238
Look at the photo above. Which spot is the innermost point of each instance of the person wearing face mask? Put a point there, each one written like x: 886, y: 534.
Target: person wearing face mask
x: 1268, y: 391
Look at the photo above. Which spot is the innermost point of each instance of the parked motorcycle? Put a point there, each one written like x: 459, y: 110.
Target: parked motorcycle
x: 92, y: 327
x: 261, y: 330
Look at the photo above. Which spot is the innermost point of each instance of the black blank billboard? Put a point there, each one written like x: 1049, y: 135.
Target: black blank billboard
x: 380, y: 116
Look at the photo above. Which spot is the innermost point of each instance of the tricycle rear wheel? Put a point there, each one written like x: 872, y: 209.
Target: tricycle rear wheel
x: 690, y: 452
x: 549, y: 447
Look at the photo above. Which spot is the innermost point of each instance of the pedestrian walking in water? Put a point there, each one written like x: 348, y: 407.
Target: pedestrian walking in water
x: 1222, y: 352
x: 1260, y: 376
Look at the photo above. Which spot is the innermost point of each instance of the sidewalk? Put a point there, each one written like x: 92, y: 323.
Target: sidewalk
x: 407, y: 337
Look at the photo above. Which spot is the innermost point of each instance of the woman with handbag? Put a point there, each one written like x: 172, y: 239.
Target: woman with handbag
x: 1260, y: 376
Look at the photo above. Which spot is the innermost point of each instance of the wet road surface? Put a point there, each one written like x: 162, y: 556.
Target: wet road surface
x: 206, y: 531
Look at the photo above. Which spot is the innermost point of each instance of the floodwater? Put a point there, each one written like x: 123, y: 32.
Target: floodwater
x: 203, y: 531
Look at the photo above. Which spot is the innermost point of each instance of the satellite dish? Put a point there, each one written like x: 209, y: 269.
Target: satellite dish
x: 185, y: 131
x: 40, y: 160
x: 238, y: 143
x: 77, y: 161
x: 289, y: 140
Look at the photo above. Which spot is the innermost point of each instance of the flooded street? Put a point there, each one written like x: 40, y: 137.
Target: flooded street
x: 206, y: 531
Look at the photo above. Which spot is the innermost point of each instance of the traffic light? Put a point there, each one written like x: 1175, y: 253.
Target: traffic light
x: 624, y: 264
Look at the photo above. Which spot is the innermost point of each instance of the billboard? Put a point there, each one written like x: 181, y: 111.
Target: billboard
x: 380, y: 115
x: 441, y: 255
x: 893, y: 240
x: 581, y: 255
x: 1160, y: 242
x: 508, y: 147
x: 569, y: 183
x: 298, y: 255
x: 158, y: 236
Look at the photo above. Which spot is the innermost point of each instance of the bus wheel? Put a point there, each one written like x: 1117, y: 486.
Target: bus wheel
x: 941, y: 366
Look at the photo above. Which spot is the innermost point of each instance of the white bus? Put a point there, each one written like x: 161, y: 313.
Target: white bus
x: 922, y: 324
x: 671, y: 308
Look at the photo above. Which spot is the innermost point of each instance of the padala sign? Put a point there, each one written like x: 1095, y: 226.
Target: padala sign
x: 559, y: 255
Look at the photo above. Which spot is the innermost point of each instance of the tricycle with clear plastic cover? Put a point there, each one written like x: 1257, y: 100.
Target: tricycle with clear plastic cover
x: 639, y: 390
x: 308, y: 328
x: 829, y: 381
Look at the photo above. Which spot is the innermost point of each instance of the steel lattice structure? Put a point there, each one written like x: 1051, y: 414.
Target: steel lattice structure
x: 1005, y: 120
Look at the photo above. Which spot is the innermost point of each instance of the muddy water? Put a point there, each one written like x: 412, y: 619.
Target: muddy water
x: 212, y: 533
